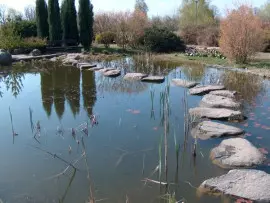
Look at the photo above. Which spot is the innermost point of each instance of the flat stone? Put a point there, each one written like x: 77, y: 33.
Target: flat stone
x: 224, y: 93
x: 184, y: 83
x: 134, y: 76
x: 214, y: 101
x: 103, y: 70
x: 95, y: 69
x: 205, y: 89
x: 86, y: 65
x: 236, y: 152
x: 241, y: 183
x: 208, y: 129
x: 154, y: 79
x: 112, y: 73
x: 216, y: 113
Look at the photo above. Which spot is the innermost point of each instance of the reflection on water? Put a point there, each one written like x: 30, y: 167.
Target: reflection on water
x: 142, y: 133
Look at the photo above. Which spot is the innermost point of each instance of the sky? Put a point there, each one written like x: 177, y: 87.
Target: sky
x: 156, y: 7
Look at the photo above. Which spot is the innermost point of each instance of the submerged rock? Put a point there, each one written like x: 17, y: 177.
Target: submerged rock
x: 184, y: 83
x: 5, y: 58
x: 112, y: 73
x: 214, y: 101
x: 216, y: 113
x: 205, y: 89
x: 236, y: 152
x: 208, y: 129
x: 224, y: 93
x: 243, y: 183
x: 154, y: 79
x: 134, y: 76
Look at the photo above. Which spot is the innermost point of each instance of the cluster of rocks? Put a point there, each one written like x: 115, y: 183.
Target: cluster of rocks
x: 76, y: 61
x: 233, y: 153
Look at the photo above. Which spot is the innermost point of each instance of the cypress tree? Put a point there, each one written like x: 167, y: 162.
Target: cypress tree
x: 69, y: 21
x: 42, y: 19
x: 86, y: 23
x: 54, y: 20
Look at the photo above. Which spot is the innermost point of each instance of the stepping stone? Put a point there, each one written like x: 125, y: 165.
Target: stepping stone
x: 224, y: 93
x: 103, y: 70
x: 95, y: 69
x: 236, y: 152
x: 154, y: 79
x: 184, y: 83
x: 205, y: 89
x: 249, y: 184
x: 208, y: 129
x: 214, y: 101
x: 135, y: 76
x: 215, y: 113
x: 86, y: 65
x: 112, y: 73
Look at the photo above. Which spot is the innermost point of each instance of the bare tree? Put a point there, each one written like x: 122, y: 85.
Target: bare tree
x: 30, y: 13
x: 3, y: 14
x: 13, y: 15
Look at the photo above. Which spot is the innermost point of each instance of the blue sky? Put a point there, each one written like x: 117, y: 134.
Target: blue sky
x: 156, y: 7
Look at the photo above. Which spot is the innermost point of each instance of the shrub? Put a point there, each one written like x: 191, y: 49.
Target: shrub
x: 25, y: 28
x: 241, y: 34
x: 34, y: 43
x: 106, y: 38
x: 162, y: 40
x: 10, y: 40
x: 206, y: 35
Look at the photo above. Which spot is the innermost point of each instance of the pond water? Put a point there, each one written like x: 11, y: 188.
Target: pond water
x: 124, y: 139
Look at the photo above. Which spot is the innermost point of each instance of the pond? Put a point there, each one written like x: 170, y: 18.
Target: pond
x: 69, y: 135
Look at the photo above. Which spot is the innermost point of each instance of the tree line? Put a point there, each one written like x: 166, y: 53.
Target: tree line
x: 60, y: 25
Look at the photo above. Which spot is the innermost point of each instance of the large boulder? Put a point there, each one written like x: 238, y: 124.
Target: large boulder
x: 215, y: 113
x: 184, y: 83
x: 35, y: 52
x: 236, y: 152
x: 224, y: 93
x: 214, y: 101
x: 198, y: 90
x: 208, y: 129
x: 249, y: 184
x: 5, y: 58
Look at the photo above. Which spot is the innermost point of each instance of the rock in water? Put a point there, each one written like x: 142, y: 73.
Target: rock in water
x: 85, y: 65
x: 154, y: 79
x: 236, y: 152
x: 184, y: 83
x: 35, y: 52
x: 243, y: 183
x: 112, y: 73
x: 103, y: 70
x: 224, y: 93
x: 208, y: 129
x: 205, y: 89
x: 214, y: 101
x: 134, y: 76
x: 5, y: 58
x: 215, y: 113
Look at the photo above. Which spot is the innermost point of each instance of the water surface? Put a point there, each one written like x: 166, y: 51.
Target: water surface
x: 122, y: 146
